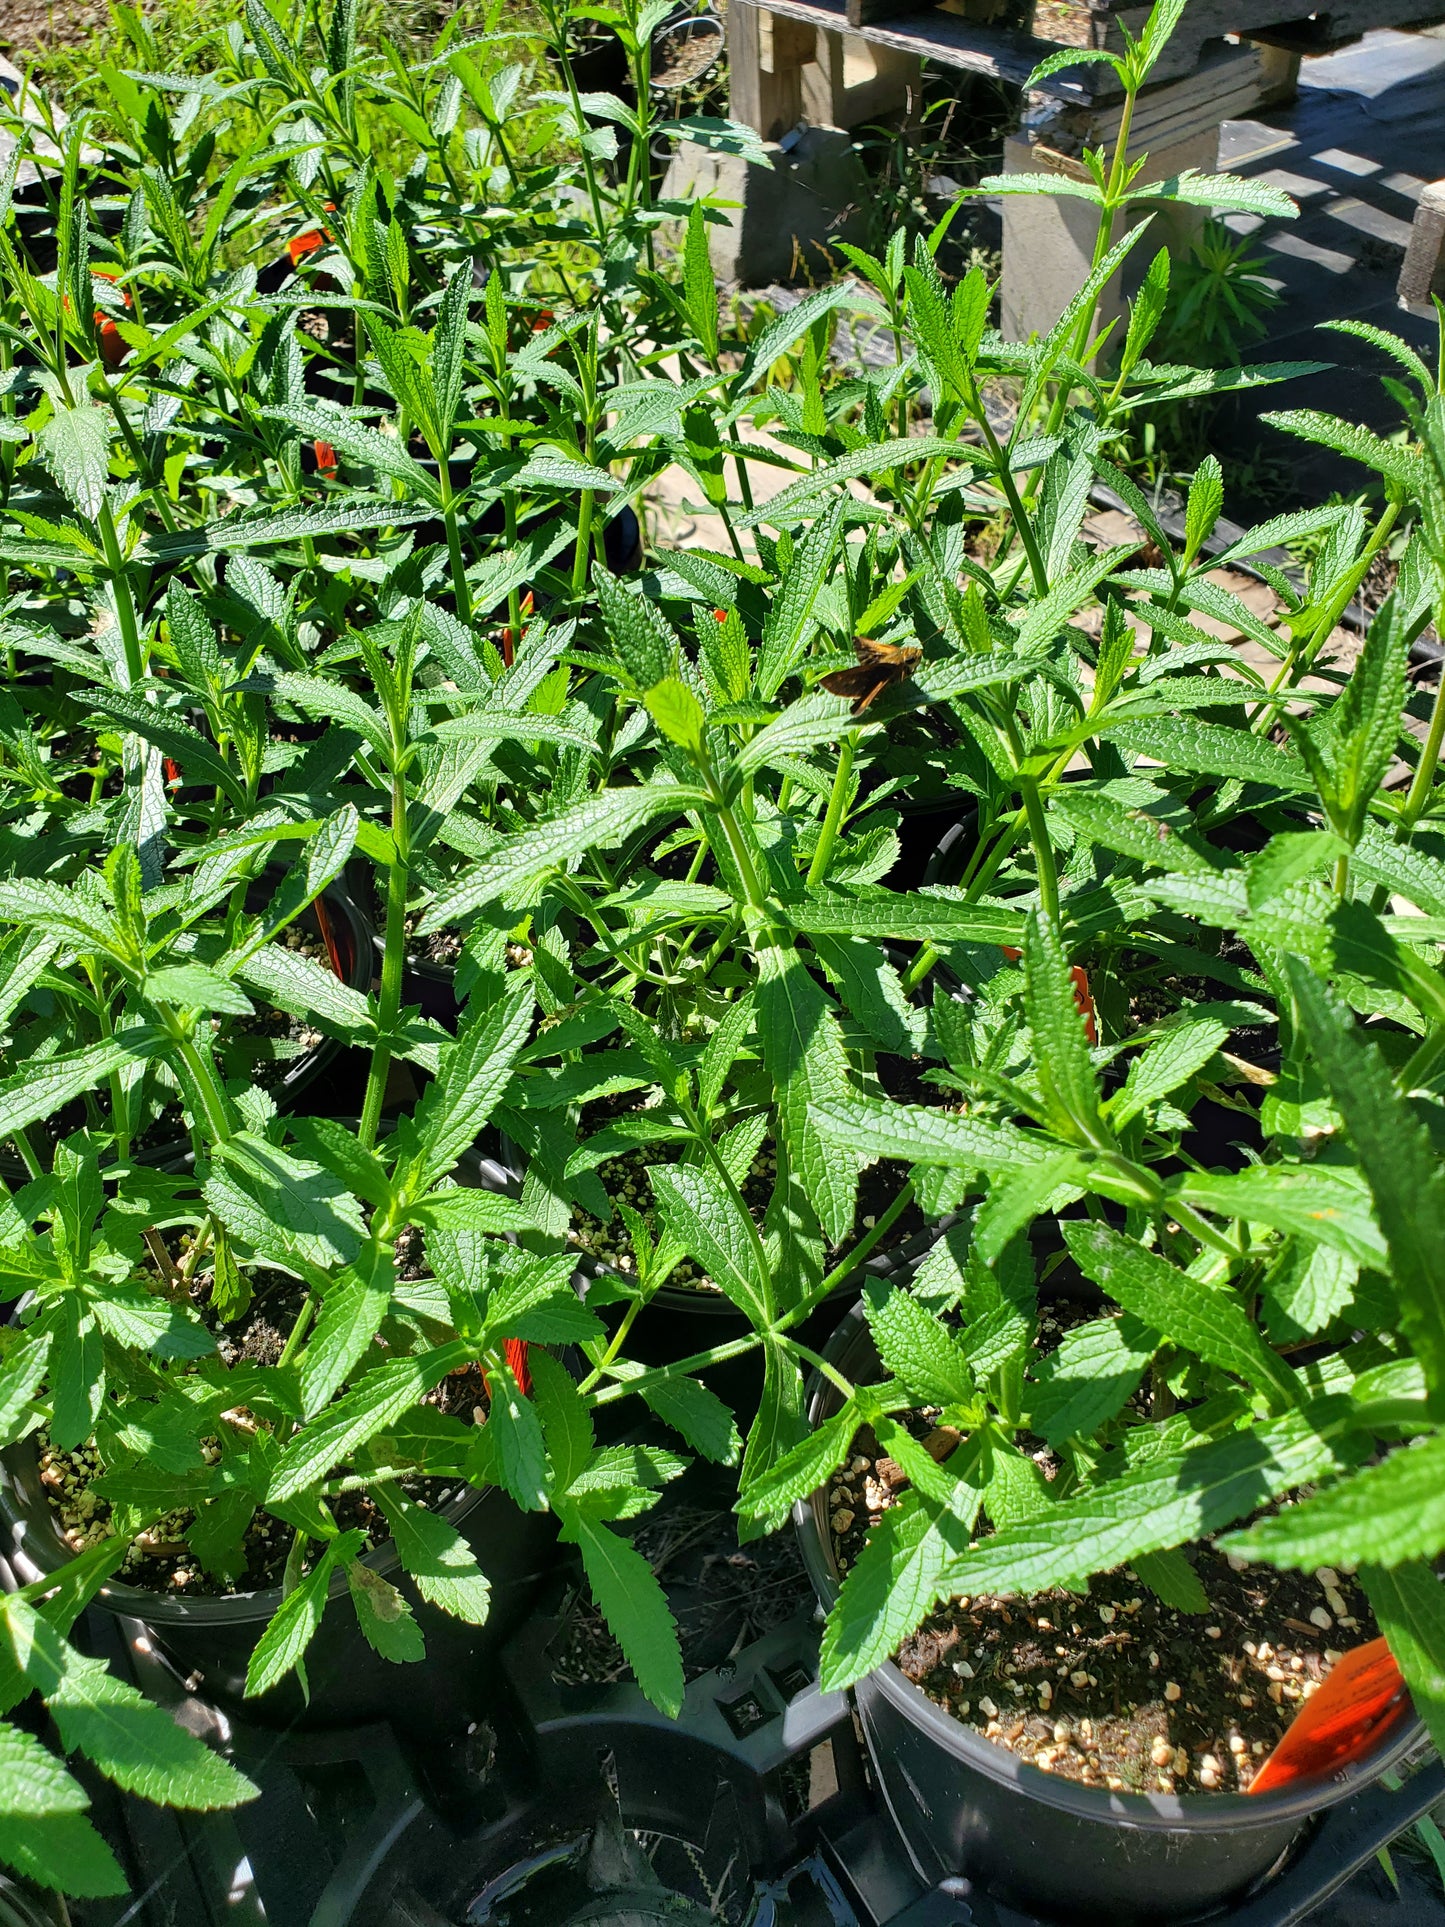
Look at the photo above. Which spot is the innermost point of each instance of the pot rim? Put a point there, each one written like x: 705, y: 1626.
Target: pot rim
x: 716, y: 1304
x: 161, y: 1608
x: 1144, y: 1812
x: 240, y: 1608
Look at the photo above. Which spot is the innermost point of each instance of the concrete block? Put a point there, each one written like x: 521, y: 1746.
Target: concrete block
x: 1048, y: 241
x: 784, y: 219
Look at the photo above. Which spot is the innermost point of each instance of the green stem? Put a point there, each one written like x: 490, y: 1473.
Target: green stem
x: 857, y: 1256
x: 821, y: 1364
x: 837, y: 803
x: 213, y: 1098
x: 584, y: 543
x: 1043, y: 847
x: 298, y: 1331
x: 733, y: 836
x: 1421, y: 784
x: 124, y: 603
x: 615, y: 1344
x: 460, y: 588
x: 393, y: 965
x: 682, y: 1368
x: 21, y: 1141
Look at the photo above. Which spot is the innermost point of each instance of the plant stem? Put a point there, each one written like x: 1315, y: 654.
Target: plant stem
x: 1043, y: 847
x: 298, y: 1331
x: 213, y: 1098
x: 584, y: 543
x: 1421, y: 784
x: 680, y: 1368
x: 738, y: 850
x: 837, y: 803
x: 393, y: 964
x: 460, y: 587
x: 842, y: 1272
x: 124, y: 603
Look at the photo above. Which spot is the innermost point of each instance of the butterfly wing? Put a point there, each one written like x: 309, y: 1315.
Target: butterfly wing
x: 852, y: 683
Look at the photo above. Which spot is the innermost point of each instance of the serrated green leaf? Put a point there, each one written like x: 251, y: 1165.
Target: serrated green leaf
x: 386, y: 1620
x: 1168, y: 1501
x: 1230, y: 191
x: 712, y: 1226
x: 41, y: 1089
x: 286, y: 1208
x: 790, y: 613
x: 62, y: 1851
x: 472, y: 1076
x: 1409, y: 1609
x: 1399, y: 1161
x: 357, y: 442
x: 20, y: 1379
x: 1062, y: 1063
x: 598, y: 823
x: 1171, y: 1576
x: 1320, y: 1203
x: 800, y: 1472
x: 518, y: 1443
x: 633, y: 1604
x: 804, y: 1056
x: 75, y: 444
x: 1381, y: 1516
x: 356, y: 1301
x: 929, y: 915
x: 892, y: 1584
x: 697, y: 1415
x: 193, y: 986
x: 133, y: 1742
x: 1206, y: 1319
x: 1209, y: 749
x: 923, y: 1354
x: 566, y: 1420
x: 258, y: 528
x: 1396, y: 463
x: 925, y: 1136
x: 293, y: 1625
x: 386, y: 1392
x: 32, y: 1780
x: 1088, y: 1378
x: 442, y: 1565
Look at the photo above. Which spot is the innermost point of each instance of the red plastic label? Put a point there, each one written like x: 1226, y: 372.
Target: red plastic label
x: 1359, y: 1695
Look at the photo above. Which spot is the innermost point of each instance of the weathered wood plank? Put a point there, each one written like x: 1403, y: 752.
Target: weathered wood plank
x: 1332, y: 23
x: 939, y: 36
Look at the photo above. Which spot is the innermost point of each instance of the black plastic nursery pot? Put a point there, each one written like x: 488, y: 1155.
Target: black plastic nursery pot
x: 21, y: 1907
x: 936, y: 838
x: 209, y: 1641
x: 345, y: 930
x: 680, y: 1321
x: 1083, y: 1856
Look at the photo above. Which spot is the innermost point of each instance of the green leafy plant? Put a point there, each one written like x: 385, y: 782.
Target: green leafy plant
x: 316, y: 474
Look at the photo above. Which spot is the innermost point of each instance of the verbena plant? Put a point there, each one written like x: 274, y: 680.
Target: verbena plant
x: 306, y: 516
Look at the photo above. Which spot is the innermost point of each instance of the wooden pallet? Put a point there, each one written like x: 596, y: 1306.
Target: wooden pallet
x: 973, y: 46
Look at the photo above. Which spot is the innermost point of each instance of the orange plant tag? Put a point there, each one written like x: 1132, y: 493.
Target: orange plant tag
x: 1358, y: 1696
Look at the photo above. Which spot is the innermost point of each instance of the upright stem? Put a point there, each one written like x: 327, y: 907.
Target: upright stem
x: 460, y: 588
x: 837, y: 803
x: 1043, y: 847
x: 584, y: 543
x: 124, y: 603
x: 393, y: 964
x: 1421, y: 784
x: 213, y: 1098
x: 737, y: 845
